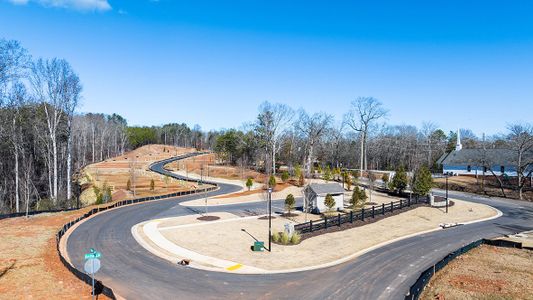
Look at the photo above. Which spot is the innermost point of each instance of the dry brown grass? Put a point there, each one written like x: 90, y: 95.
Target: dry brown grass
x: 472, y: 185
x: 115, y: 173
x: 30, y: 263
x: 486, y: 272
x: 211, y: 168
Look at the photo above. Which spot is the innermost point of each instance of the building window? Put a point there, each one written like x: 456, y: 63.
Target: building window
x: 469, y: 168
x: 502, y: 169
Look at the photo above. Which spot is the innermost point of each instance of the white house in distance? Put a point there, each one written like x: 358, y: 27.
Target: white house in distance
x: 481, y: 162
x: 315, y: 195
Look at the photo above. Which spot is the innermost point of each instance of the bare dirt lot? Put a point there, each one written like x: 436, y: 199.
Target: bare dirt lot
x: 29, y: 263
x: 132, y: 166
x: 471, y: 184
x: 486, y: 272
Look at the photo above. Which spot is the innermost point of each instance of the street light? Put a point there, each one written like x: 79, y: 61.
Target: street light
x: 447, y: 174
x: 269, y: 219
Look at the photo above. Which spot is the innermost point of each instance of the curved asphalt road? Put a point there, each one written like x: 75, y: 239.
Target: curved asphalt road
x: 384, y: 273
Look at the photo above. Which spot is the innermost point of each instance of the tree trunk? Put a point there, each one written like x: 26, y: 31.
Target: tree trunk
x: 17, y: 199
x: 274, y: 158
x: 54, y: 153
x: 69, y: 157
x: 362, y: 151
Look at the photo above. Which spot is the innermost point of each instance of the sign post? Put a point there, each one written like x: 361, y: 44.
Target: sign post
x: 92, y: 265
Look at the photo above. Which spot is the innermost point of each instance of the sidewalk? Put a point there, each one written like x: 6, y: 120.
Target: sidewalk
x: 225, y: 247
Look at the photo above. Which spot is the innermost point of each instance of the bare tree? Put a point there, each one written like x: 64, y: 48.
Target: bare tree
x: 521, y: 142
x: 312, y: 128
x: 55, y: 85
x: 428, y: 128
x: 271, y: 123
x: 363, y: 112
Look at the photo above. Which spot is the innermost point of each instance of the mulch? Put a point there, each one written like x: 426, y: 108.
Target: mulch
x: 208, y: 218
x: 357, y: 223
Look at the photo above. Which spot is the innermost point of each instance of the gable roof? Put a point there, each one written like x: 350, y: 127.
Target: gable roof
x: 503, y: 157
x: 323, y: 189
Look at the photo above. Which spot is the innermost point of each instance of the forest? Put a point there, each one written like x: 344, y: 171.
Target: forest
x: 45, y: 140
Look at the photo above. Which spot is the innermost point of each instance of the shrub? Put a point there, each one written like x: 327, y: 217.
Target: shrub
x: 358, y: 198
x: 296, y: 238
x: 301, y: 179
x: 385, y: 178
x: 272, y: 181
x: 422, y: 181
x: 45, y: 204
x: 329, y: 202
x: 399, y: 181
x: 297, y: 171
x: 356, y: 173
x: 348, y: 181
x: 106, y: 193
x: 249, y: 183
x: 289, y: 202
x: 284, y: 238
x: 276, y: 237
x: 327, y: 174
x: 285, y: 176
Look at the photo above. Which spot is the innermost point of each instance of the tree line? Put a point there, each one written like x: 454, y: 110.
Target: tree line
x: 361, y: 140
x: 45, y: 141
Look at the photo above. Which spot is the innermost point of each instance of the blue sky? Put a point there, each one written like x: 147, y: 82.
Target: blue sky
x: 213, y: 62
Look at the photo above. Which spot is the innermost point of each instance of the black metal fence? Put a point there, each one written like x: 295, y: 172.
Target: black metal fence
x: 360, y: 215
x: 418, y: 287
x: 100, y: 288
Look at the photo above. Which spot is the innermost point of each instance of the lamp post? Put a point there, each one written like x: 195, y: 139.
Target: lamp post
x: 269, y: 219
x: 446, y: 175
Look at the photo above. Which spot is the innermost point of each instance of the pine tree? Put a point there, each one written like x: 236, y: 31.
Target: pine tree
x: 329, y: 202
x: 422, y: 181
x: 249, y: 183
x: 358, y: 198
x: 272, y: 182
x: 327, y: 174
x: 285, y: 176
x: 348, y: 181
x: 289, y: 202
x: 399, y: 181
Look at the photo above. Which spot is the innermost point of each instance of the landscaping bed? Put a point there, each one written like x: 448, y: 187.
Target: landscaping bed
x: 359, y: 222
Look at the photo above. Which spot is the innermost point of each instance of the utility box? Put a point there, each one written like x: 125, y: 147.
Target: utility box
x: 258, y: 246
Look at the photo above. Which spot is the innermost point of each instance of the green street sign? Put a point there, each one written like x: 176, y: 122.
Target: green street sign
x: 93, y: 254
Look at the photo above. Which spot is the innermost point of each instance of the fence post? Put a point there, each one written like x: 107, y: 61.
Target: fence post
x: 363, y: 214
x: 325, y: 222
x: 391, y: 206
x: 382, y: 209
x: 310, y: 225
x: 351, y: 216
x: 339, y: 220
x: 373, y: 212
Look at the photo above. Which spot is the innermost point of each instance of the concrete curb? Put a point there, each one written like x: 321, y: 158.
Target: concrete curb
x: 248, y: 270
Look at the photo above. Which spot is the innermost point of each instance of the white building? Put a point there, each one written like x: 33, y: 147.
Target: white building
x: 482, y: 162
x: 315, y: 195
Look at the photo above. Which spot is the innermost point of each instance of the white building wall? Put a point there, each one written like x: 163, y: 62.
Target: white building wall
x: 319, y: 203
x: 478, y: 170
